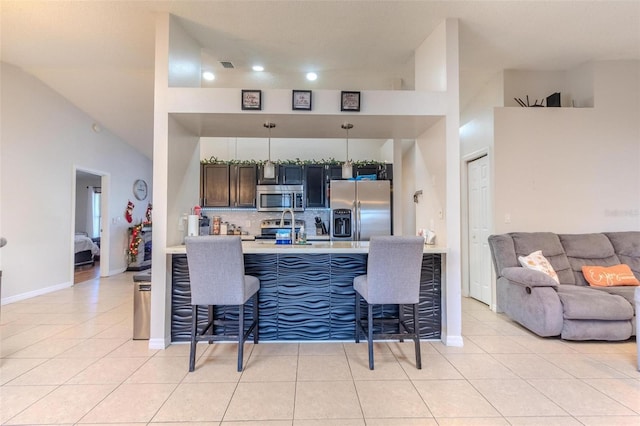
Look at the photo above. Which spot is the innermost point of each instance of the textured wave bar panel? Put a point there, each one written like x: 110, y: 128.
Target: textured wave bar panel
x: 307, y: 296
x: 303, y: 297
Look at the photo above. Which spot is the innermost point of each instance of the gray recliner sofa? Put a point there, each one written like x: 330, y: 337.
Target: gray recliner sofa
x: 572, y: 309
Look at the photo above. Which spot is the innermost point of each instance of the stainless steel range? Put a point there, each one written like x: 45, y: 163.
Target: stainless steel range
x: 269, y: 227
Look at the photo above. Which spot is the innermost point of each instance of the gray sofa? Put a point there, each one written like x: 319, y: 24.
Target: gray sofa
x: 571, y: 309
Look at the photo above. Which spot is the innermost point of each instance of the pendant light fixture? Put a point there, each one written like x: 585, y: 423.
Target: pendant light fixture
x: 347, y: 166
x: 269, y: 170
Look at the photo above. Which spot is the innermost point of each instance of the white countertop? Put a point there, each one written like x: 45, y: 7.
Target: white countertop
x: 312, y: 247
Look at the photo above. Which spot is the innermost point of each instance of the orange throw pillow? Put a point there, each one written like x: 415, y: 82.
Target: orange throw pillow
x: 601, y: 276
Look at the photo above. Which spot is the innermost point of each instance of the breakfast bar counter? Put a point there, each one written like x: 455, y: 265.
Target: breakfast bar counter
x: 306, y: 291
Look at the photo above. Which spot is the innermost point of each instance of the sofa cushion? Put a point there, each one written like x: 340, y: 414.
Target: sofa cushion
x: 502, y: 252
x: 538, y: 262
x: 528, y: 242
x: 584, y: 303
x: 596, y: 330
x: 627, y: 247
x: 587, y: 250
x: 625, y: 291
x: 608, y: 276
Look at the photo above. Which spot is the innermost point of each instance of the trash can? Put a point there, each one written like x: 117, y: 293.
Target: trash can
x: 141, y: 306
x: 3, y: 242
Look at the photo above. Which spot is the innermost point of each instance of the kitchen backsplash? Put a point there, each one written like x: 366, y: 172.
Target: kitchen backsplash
x: 249, y: 220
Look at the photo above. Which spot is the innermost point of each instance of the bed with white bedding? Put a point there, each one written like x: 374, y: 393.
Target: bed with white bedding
x: 85, y: 250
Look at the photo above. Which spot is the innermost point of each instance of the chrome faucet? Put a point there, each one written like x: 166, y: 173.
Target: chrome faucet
x: 293, y: 223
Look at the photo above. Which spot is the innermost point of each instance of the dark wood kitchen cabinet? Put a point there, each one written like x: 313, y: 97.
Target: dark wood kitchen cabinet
x: 223, y: 185
x: 214, y: 185
x: 315, y: 185
x: 245, y: 185
x: 291, y: 174
x: 267, y: 181
x: 381, y: 171
x: 286, y: 174
x: 334, y: 171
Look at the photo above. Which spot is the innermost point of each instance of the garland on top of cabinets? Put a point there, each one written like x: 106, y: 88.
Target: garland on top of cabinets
x: 297, y: 162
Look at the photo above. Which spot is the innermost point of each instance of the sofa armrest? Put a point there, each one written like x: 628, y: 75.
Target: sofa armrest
x: 528, y: 277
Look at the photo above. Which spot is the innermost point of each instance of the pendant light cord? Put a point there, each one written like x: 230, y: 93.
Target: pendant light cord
x: 269, y: 125
x: 347, y: 126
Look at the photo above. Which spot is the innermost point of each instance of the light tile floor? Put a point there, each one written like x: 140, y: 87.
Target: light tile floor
x: 68, y: 358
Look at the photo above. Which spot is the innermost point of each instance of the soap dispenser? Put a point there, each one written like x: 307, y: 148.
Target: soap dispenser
x: 302, y: 235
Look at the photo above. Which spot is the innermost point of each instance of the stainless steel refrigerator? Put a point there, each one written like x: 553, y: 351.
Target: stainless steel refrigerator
x: 360, y: 209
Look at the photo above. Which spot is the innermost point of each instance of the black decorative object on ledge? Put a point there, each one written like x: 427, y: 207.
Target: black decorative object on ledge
x: 527, y: 104
x: 553, y: 100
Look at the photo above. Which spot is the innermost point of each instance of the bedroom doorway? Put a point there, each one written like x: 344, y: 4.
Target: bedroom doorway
x: 88, y: 226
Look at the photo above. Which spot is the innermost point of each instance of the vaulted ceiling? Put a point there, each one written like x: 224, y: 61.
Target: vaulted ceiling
x: 100, y: 54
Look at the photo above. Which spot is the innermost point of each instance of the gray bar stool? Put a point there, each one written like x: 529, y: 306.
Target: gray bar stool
x: 216, y: 275
x: 393, y: 278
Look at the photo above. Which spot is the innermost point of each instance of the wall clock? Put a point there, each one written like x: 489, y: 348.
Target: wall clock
x: 140, y: 189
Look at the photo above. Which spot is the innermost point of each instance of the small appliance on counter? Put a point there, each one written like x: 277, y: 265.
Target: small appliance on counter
x: 430, y: 238
x: 204, y: 226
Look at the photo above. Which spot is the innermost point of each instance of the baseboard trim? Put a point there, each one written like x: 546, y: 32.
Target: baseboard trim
x: 34, y: 293
x: 113, y: 272
x: 158, y: 343
x: 453, y: 341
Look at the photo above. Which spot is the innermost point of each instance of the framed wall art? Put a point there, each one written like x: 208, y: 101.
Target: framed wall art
x: 350, y: 101
x: 251, y: 99
x: 301, y: 100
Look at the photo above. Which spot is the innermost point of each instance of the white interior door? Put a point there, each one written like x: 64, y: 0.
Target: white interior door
x: 479, y: 253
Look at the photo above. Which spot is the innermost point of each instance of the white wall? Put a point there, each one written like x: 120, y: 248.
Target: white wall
x: 430, y: 177
x: 476, y: 119
x: 572, y: 170
x: 44, y: 138
x: 183, y: 187
x: 184, y: 57
x: 409, y: 167
x: 431, y: 61
x: 580, y: 86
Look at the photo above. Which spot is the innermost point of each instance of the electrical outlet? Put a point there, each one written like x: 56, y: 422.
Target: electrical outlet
x: 247, y: 224
x: 440, y: 214
x: 507, y: 218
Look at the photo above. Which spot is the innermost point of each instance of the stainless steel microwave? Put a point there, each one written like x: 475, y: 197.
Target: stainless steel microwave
x: 276, y: 198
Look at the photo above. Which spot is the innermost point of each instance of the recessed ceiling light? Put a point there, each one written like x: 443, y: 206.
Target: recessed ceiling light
x: 258, y: 68
x: 312, y: 76
x: 208, y: 75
